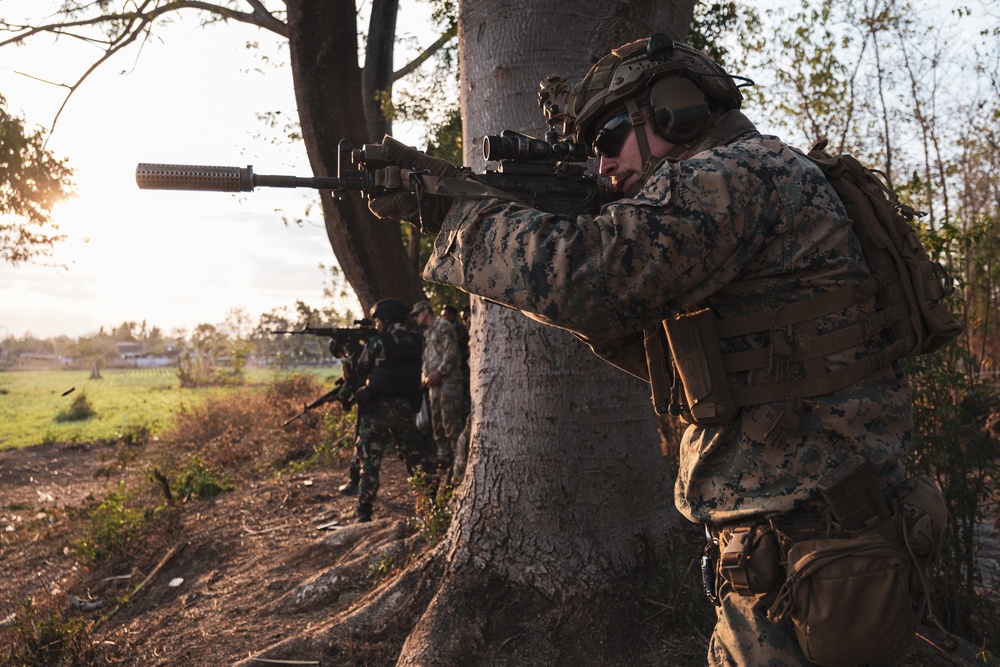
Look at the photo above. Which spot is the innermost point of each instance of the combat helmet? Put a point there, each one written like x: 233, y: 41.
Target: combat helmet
x: 390, y: 310
x: 680, y: 84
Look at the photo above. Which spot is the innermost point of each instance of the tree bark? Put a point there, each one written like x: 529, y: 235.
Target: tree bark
x: 323, y: 47
x: 376, y: 76
x: 567, y: 495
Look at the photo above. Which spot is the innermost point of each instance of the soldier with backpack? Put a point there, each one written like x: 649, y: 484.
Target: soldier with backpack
x: 731, y: 276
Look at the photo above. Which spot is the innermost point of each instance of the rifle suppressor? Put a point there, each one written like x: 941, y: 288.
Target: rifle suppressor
x: 229, y: 179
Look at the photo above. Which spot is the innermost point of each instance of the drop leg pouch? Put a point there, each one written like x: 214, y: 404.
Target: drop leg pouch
x: 848, y: 599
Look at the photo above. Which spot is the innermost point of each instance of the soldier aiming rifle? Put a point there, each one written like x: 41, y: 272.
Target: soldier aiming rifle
x: 346, y: 344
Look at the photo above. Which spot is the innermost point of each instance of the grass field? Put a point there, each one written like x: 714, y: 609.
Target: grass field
x: 125, y: 401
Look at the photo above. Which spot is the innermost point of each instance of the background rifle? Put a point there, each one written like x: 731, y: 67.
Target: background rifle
x: 547, y: 174
x: 346, y: 344
x: 343, y: 392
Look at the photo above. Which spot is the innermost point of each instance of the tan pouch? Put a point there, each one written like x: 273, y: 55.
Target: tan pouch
x: 748, y: 559
x: 926, y: 515
x: 694, y: 346
x: 848, y: 600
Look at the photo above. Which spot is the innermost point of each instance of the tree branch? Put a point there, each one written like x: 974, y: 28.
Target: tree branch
x: 134, y: 24
x: 445, y: 37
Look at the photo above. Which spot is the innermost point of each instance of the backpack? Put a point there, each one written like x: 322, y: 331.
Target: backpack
x: 891, y: 247
x: 908, y: 288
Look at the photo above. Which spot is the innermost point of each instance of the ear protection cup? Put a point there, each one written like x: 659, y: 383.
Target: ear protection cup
x: 678, y: 108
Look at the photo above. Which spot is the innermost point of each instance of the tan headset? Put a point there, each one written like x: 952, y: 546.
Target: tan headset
x: 678, y: 107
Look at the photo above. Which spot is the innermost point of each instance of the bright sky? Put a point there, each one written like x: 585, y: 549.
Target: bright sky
x: 173, y: 259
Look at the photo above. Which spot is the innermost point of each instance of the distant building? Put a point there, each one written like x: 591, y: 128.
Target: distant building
x: 135, y: 354
x: 130, y: 350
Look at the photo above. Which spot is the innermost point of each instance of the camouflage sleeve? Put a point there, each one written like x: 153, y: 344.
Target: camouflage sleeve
x: 441, y: 350
x: 694, y: 227
x: 449, y: 357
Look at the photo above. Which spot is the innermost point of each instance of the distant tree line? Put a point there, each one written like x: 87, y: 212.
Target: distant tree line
x: 235, y: 342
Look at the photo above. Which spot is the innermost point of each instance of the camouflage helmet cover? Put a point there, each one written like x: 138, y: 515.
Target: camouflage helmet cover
x: 630, y: 68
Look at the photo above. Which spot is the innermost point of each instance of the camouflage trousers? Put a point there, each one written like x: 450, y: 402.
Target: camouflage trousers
x: 743, y: 635
x: 384, y: 422
x: 447, y: 404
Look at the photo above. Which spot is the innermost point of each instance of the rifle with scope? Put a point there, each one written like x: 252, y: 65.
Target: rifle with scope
x: 547, y: 174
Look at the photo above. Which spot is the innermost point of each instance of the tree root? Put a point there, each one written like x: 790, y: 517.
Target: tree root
x: 361, y: 551
x: 483, y: 619
x: 434, y: 613
x: 377, y: 622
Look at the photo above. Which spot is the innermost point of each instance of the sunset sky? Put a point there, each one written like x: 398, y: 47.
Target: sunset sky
x: 173, y: 259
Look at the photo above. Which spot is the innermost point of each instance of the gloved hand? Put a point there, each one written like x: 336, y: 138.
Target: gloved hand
x: 428, y: 211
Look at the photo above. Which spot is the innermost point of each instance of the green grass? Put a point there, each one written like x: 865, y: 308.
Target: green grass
x: 124, y: 401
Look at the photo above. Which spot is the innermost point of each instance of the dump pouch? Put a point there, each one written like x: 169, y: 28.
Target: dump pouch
x: 848, y: 600
x: 850, y: 594
x: 694, y: 346
x: 925, y: 517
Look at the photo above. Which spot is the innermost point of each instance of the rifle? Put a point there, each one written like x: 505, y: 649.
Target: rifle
x: 344, y: 341
x: 344, y: 389
x: 346, y: 344
x: 546, y: 174
x: 342, y: 392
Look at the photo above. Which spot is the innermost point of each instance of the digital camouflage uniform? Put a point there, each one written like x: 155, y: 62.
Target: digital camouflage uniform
x: 442, y: 354
x: 385, y: 418
x: 743, y: 225
x: 462, y: 443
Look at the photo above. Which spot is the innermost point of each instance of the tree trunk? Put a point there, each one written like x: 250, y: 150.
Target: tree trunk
x: 323, y: 47
x: 567, y: 494
x: 376, y: 77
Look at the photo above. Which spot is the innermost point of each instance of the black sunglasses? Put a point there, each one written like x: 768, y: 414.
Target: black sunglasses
x: 609, y: 139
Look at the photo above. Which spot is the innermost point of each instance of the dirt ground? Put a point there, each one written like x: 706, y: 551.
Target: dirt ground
x: 206, y: 585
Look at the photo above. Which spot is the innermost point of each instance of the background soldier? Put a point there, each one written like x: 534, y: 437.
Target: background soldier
x: 450, y: 313
x: 353, y: 379
x: 442, y: 376
x: 388, y: 401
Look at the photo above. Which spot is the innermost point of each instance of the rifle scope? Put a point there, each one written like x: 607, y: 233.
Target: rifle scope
x: 518, y: 147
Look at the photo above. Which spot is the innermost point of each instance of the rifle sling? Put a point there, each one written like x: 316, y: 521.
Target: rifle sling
x: 449, y: 186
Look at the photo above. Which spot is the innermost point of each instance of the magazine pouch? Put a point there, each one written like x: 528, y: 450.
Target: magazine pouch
x: 694, y: 347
